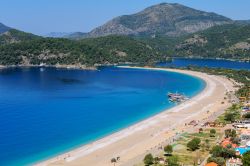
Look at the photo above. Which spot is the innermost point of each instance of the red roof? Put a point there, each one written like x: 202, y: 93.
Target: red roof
x: 227, y: 142
x: 211, y: 164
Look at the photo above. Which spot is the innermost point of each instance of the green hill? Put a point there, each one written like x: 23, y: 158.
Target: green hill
x: 29, y: 49
x: 226, y: 41
x: 15, y: 36
x: 3, y: 28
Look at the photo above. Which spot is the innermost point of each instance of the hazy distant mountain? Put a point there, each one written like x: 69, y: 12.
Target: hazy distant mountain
x: 3, y: 28
x: 58, y: 34
x: 163, y: 19
x: 69, y: 35
x: 243, y: 22
x: 76, y: 35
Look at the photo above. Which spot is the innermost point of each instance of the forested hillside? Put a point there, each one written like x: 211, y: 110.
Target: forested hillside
x: 27, y: 50
x: 226, y: 41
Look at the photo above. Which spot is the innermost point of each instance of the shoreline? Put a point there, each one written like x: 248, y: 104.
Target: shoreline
x: 80, y: 67
x: 87, y: 153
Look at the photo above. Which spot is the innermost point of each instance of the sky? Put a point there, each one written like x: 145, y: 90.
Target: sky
x: 45, y: 16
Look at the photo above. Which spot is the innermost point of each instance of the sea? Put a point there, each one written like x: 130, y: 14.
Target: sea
x: 45, y: 112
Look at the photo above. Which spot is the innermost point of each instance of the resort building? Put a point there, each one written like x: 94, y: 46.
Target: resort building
x: 234, y: 162
x: 245, y: 135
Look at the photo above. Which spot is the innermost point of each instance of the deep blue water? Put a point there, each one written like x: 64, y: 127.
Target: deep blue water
x: 44, y: 112
x: 181, y: 62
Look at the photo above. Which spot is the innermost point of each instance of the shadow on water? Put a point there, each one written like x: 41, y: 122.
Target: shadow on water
x: 70, y: 81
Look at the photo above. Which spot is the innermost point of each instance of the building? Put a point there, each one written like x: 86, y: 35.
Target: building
x: 226, y: 142
x: 245, y: 135
x: 234, y: 162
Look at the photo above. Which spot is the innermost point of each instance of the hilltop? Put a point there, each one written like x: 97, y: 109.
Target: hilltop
x: 3, y: 28
x: 163, y: 19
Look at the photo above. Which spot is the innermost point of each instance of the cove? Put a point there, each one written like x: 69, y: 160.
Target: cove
x: 48, y: 111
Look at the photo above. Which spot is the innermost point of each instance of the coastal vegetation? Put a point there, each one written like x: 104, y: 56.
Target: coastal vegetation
x: 192, y: 149
x: 220, y: 154
x: 246, y: 158
x: 225, y: 41
x: 182, y: 154
x: 168, y: 149
x: 241, y: 78
x: 194, y: 144
x: 16, y: 36
x: 212, y: 132
x: 155, y: 34
x: 148, y: 160
x: 33, y: 50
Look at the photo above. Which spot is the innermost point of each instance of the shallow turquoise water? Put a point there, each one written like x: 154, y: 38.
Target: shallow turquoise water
x: 48, y: 111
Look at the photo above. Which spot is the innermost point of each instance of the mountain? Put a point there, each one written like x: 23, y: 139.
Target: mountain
x: 21, y: 48
x: 70, y: 35
x: 3, y: 28
x: 225, y: 41
x: 242, y: 22
x: 58, y: 34
x: 16, y: 36
x: 76, y: 35
x: 156, y: 33
x: 163, y: 19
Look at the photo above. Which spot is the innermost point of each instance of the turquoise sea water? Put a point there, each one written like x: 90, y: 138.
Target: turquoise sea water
x: 48, y: 111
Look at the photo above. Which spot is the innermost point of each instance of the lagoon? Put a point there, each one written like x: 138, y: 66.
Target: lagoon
x: 184, y: 62
x: 49, y: 111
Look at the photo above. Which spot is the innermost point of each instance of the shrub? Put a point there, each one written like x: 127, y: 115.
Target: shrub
x: 218, y: 151
x: 194, y: 144
x: 148, y: 159
x: 173, y: 161
x: 246, y: 158
x: 168, y: 149
x: 230, y: 133
x: 212, y: 132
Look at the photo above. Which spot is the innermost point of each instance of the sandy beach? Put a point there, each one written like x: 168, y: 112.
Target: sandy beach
x: 132, y: 143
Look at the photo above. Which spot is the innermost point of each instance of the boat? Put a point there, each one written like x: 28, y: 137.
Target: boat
x: 176, y: 97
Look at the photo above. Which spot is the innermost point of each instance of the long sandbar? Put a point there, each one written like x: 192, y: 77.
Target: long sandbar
x: 132, y: 143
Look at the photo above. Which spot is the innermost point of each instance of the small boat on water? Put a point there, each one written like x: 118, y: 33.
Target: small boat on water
x: 177, y: 97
